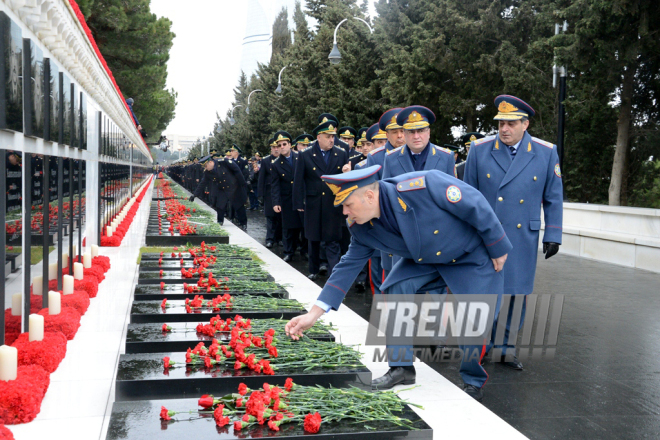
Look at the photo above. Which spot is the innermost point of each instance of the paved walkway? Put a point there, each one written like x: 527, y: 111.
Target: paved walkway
x: 604, y: 382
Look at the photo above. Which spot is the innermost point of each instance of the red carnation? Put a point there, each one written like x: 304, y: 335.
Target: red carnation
x: 165, y: 414
x: 312, y: 423
x: 288, y: 384
x: 206, y: 401
x: 239, y: 402
x: 207, y: 362
x: 162, y: 285
x: 163, y: 304
x: 238, y: 425
x: 272, y: 350
x: 243, y: 389
x: 166, y: 362
x: 273, y: 425
x: 167, y: 328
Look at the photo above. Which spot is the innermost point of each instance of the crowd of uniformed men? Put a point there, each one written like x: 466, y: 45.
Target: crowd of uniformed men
x: 418, y: 220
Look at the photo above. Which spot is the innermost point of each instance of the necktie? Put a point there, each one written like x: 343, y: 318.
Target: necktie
x: 513, y: 152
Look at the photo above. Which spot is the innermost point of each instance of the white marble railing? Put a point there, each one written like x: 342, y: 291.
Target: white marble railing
x: 614, y: 234
x: 57, y: 28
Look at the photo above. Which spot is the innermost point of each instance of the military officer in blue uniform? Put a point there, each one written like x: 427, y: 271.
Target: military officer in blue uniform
x: 518, y: 174
x: 359, y: 154
x: 323, y: 221
x: 377, y: 155
x: 467, y: 139
x: 465, y: 248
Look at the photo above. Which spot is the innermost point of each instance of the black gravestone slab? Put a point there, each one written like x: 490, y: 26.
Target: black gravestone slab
x: 176, y: 266
x: 151, y: 311
x: 142, y: 376
x: 179, y: 240
x: 146, y: 292
x: 11, y: 75
x: 167, y: 256
x: 150, y: 338
x: 175, y: 278
x: 140, y: 419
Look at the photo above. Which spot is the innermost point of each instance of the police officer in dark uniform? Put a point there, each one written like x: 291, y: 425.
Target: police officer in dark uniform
x: 302, y: 142
x: 325, y: 117
x: 467, y: 139
x: 226, y: 184
x: 323, y: 222
x: 282, y: 194
x: 273, y: 219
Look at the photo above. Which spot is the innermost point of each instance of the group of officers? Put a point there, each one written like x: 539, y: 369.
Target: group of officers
x: 384, y: 203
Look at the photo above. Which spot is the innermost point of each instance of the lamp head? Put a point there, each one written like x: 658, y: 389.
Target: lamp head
x: 278, y: 90
x: 232, y: 121
x: 335, y: 56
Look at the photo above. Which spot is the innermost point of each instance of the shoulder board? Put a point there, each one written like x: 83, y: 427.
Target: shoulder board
x: 412, y: 184
x: 278, y: 158
x: 392, y: 151
x: 486, y: 139
x: 349, y: 222
x: 362, y: 163
x: 446, y: 150
x: 377, y: 150
x: 542, y: 142
x: 339, y: 148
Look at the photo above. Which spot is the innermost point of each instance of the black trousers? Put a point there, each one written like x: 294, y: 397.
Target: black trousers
x: 332, y: 252
x: 291, y: 240
x: 345, y: 240
x: 221, y: 213
x: 241, y: 215
x: 274, y: 228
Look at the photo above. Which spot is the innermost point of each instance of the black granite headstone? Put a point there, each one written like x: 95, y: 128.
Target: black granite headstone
x: 11, y: 75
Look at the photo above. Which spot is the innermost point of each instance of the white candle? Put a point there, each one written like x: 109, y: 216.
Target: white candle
x: 78, y: 271
x: 95, y: 251
x: 75, y: 253
x: 38, y: 285
x: 68, y: 285
x: 65, y: 260
x: 54, y: 303
x: 36, y: 328
x: 16, y: 304
x: 8, y: 362
x: 87, y: 260
x: 52, y: 271
x: 109, y: 231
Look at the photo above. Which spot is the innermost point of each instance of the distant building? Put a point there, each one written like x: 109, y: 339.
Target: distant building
x: 258, y: 41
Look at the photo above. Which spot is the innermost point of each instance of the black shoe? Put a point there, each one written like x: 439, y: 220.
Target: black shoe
x: 395, y: 376
x: 243, y: 227
x: 323, y: 270
x: 514, y: 364
x: 269, y: 245
x: 288, y: 258
x: 474, y: 392
x: 360, y: 286
x: 279, y: 243
x: 313, y: 276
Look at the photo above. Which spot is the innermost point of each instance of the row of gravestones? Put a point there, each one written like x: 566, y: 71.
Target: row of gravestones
x: 144, y: 385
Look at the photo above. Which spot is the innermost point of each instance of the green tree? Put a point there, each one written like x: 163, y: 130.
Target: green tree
x: 281, y: 35
x: 136, y: 44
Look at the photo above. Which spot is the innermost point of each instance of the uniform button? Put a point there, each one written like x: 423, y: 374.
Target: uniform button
x: 500, y: 199
x: 519, y: 226
x: 292, y: 182
x: 337, y: 167
x: 322, y: 194
x: 436, y: 232
x: 453, y: 261
x: 390, y: 255
x: 282, y: 175
x: 488, y: 175
x: 314, y: 168
x: 521, y: 201
x: 534, y: 177
x: 438, y: 253
x: 419, y: 259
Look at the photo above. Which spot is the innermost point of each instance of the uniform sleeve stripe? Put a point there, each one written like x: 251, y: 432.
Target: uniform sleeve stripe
x: 552, y: 226
x: 495, y: 242
x: 338, y: 288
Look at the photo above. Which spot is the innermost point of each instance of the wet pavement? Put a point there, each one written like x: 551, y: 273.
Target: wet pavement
x: 604, y: 380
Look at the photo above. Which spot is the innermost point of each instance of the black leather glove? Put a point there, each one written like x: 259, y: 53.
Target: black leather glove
x: 192, y: 198
x: 550, y: 249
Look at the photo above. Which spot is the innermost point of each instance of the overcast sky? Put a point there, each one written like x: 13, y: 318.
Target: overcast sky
x: 205, y: 59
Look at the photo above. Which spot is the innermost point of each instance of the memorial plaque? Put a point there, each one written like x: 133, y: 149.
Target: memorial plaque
x: 75, y: 119
x: 33, y: 89
x: 140, y: 419
x: 53, y: 101
x: 83, y: 121
x: 11, y: 75
x: 65, y: 110
x: 142, y: 376
x: 152, y: 312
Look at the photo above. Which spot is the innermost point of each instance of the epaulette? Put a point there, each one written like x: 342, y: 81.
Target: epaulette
x: 278, y: 158
x: 542, y: 142
x: 349, y: 222
x: 412, y: 184
x: 486, y: 139
x: 372, y: 152
x: 446, y: 150
x: 338, y: 147
x: 361, y: 163
x: 392, y: 151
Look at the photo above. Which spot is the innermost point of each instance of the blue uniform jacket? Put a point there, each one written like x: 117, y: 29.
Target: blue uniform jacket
x: 516, y: 189
x: 398, y: 162
x: 441, y: 219
x: 377, y: 157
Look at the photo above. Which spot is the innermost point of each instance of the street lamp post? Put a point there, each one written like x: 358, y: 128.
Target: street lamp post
x: 247, y: 109
x: 279, y: 81
x: 335, y: 56
x: 561, y: 70
x: 232, y: 121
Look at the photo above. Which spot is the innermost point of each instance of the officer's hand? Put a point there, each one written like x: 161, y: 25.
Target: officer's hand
x: 301, y: 210
x: 299, y: 324
x: 346, y: 168
x: 550, y: 249
x: 498, y: 263
x: 192, y: 198
x: 277, y: 208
